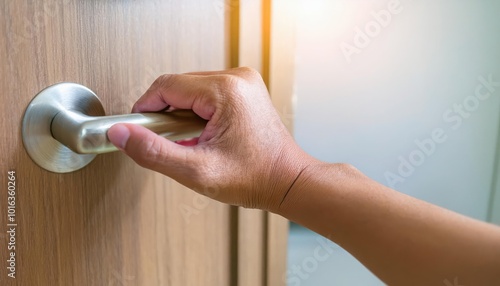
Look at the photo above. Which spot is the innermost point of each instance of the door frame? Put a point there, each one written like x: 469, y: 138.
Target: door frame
x: 263, y: 37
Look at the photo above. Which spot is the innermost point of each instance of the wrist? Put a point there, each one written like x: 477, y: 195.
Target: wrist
x: 286, y: 173
x: 316, y: 181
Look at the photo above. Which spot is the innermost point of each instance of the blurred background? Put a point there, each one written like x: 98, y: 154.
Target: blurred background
x: 406, y: 91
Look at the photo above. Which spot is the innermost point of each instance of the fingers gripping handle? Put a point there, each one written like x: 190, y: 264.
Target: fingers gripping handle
x: 88, y: 134
x: 64, y: 127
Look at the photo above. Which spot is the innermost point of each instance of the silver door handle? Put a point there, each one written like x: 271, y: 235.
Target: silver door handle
x: 64, y: 127
x: 88, y: 134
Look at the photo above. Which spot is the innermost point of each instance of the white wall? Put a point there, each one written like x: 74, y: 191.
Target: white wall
x: 370, y: 111
x: 369, y: 108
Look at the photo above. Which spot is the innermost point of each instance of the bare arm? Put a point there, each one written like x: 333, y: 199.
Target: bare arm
x: 246, y: 155
x: 404, y: 241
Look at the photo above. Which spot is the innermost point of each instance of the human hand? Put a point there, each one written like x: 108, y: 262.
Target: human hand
x: 245, y: 156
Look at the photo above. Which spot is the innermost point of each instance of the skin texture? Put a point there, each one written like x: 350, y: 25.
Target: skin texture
x: 246, y: 157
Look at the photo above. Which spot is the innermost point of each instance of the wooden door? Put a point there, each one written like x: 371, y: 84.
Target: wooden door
x: 113, y: 222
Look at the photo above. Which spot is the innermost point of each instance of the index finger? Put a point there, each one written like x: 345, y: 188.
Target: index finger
x: 181, y: 91
x: 198, y: 91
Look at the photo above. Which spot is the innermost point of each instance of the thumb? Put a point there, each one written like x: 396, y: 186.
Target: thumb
x: 153, y: 151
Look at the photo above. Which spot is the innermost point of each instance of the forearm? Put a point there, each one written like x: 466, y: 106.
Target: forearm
x: 404, y: 241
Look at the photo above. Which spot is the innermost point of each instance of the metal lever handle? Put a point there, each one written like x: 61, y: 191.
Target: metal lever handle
x: 88, y: 134
x: 64, y: 127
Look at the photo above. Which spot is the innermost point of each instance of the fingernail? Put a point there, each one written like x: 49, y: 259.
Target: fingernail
x: 118, y: 134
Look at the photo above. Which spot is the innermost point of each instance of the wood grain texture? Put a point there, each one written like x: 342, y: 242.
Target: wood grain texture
x: 112, y: 223
x: 251, y: 247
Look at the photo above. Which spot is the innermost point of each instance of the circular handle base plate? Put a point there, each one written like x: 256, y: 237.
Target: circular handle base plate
x: 43, y: 149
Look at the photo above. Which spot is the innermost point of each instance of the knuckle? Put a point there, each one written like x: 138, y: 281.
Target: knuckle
x: 226, y: 84
x: 240, y: 76
x: 227, y: 80
x: 164, y: 80
x: 249, y: 73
